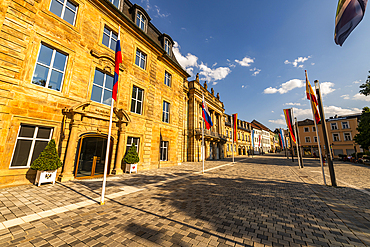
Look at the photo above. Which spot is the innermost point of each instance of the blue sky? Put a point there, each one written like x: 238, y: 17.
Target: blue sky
x: 254, y: 53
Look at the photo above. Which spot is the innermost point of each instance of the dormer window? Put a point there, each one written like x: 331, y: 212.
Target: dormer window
x: 167, y: 46
x: 115, y: 3
x: 140, y: 20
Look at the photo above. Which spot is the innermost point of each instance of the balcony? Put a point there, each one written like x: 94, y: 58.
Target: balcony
x: 210, y: 135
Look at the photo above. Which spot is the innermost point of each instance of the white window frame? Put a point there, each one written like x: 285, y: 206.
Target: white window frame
x: 164, y: 151
x: 166, y: 112
x: 140, y: 59
x: 307, y: 138
x: 103, y: 88
x: 114, y: 1
x: 33, y: 139
x: 141, y: 21
x: 64, y: 2
x: 110, y: 35
x: 336, y: 135
x: 345, y: 123
x: 334, y: 126
x: 130, y: 140
x: 313, y: 129
x: 306, y: 129
x: 135, y: 100
x: 167, y: 46
x: 315, y: 139
x: 50, y: 67
x: 350, y: 136
x: 167, y: 78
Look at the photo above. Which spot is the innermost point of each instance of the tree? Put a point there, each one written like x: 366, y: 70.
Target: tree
x: 365, y: 88
x: 48, y: 160
x: 363, y: 137
x: 131, y: 157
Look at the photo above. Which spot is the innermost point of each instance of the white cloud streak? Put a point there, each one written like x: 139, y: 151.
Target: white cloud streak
x: 255, y: 71
x: 362, y: 97
x: 285, y: 87
x: 246, y: 62
x: 297, y: 61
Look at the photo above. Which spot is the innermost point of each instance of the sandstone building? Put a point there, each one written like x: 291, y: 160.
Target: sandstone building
x: 56, y: 73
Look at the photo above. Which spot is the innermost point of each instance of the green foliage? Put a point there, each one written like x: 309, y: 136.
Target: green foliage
x: 365, y: 88
x: 131, y: 156
x: 363, y: 137
x: 48, y: 160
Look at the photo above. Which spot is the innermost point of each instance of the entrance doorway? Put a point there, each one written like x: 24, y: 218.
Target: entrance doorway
x: 91, y: 156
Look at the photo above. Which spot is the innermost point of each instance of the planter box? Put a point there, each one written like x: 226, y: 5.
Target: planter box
x: 131, y: 168
x: 45, y: 177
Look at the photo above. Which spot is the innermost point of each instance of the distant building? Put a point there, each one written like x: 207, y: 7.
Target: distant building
x: 263, y: 136
x: 243, y: 136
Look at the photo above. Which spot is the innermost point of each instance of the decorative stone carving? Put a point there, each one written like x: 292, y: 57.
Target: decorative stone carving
x: 218, y: 96
x: 212, y: 91
x: 205, y: 85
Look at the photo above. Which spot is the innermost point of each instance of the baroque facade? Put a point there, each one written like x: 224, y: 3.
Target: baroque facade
x: 56, y: 73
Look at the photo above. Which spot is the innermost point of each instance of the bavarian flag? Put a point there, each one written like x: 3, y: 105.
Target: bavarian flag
x: 349, y: 15
x: 118, y: 60
x: 289, y: 123
x: 311, y: 96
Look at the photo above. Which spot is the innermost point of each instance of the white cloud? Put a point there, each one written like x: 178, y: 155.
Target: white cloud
x: 292, y: 104
x: 213, y: 74
x: 285, y: 87
x: 328, y: 110
x: 186, y: 62
x: 272, y: 111
x: 359, y: 96
x: 357, y: 82
x: 297, y: 61
x: 326, y: 88
x: 246, y: 62
x: 345, y: 96
x: 214, y: 83
x: 158, y: 12
x: 278, y: 121
x: 146, y: 3
x: 255, y: 71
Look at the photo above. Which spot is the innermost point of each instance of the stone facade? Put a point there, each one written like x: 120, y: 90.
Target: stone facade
x: 29, y: 29
x: 243, y: 135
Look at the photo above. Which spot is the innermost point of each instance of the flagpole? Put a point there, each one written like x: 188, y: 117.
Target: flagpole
x: 102, y: 202
x: 232, y: 138
x: 318, y: 143
x: 325, y: 134
x: 296, y: 140
x: 203, y: 149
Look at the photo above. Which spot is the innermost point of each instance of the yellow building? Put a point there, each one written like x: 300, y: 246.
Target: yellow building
x: 56, y: 73
x: 341, y: 131
x: 243, y: 136
x: 214, y: 139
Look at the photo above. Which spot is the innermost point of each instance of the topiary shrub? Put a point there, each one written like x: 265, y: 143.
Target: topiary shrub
x: 48, y: 160
x: 131, y: 156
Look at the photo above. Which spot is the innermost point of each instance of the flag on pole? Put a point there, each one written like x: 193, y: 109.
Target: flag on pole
x: 206, y: 115
x: 311, y: 96
x: 289, y: 122
x: 235, y: 126
x: 282, y: 138
x: 349, y: 15
x: 118, y: 60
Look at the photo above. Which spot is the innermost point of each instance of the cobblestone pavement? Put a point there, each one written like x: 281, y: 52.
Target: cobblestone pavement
x: 260, y: 201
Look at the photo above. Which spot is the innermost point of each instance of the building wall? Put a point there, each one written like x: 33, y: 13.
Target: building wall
x: 25, y: 25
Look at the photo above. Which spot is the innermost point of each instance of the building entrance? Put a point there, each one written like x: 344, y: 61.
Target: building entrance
x: 91, y: 156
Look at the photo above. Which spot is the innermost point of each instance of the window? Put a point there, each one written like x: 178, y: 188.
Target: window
x: 238, y: 136
x: 315, y: 138
x: 228, y: 148
x: 347, y: 136
x: 140, y: 59
x: 102, y: 88
x: 140, y: 21
x: 167, y: 46
x: 308, y: 139
x: 109, y: 38
x: 164, y: 151
x: 64, y: 9
x: 50, y: 68
x: 227, y: 133
x: 166, y: 112
x: 131, y: 140
x: 345, y: 125
x: 336, y: 137
x: 31, y: 141
x: 115, y: 3
x: 334, y: 126
x: 306, y: 129
x: 167, y: 79
x: 313, y: 129
x: 137, y: 100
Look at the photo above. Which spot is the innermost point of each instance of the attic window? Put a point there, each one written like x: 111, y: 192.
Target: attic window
x: 141, y: 21
x: 167, y: 46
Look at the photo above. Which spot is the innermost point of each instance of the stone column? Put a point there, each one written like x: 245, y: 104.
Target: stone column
x: 120, y: 147
x: 67, y: 173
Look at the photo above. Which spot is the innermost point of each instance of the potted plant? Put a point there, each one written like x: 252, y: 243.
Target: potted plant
x: 47, y: 164
x: 131, y: 159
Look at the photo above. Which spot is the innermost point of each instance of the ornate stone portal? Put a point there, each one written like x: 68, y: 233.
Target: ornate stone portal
x: 91, y: 117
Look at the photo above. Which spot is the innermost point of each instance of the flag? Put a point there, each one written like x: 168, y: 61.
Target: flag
x: 311, y: 96
x: 118, y: 60
x: 235, y: 126
x: 253, y: 139
x: 289, y: 123
x: 349, y: 15
x: 206, y: 115
x: 282, y: 138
